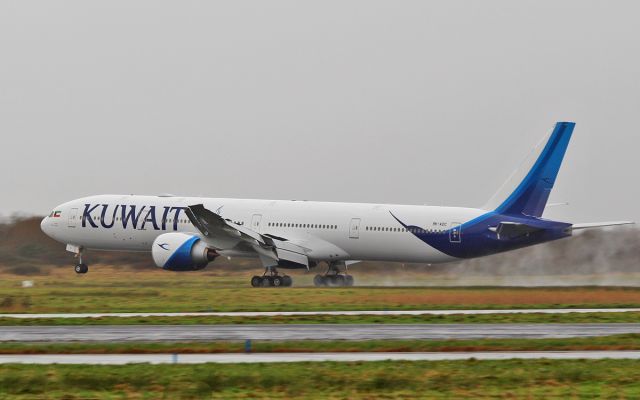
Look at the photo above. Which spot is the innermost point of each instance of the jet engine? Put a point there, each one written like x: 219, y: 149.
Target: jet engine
x: 181, y: 252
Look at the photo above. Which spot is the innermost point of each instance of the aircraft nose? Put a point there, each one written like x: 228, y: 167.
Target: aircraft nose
x: 44, y: 226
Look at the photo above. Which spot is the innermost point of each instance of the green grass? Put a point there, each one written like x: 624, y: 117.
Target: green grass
x: 148, y: 292
x: 603, y: 317
x: 612, y: 379
x: 615, y: 342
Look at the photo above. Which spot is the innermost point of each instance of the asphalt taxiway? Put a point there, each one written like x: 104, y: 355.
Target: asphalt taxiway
x: 160, y: 333
x: 304, y: 313
x: 118, y: 359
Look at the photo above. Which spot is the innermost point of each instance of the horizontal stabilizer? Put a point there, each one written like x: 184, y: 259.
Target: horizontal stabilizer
x: 557, y: 204
x: 512, y: 230
x: 590, y: 225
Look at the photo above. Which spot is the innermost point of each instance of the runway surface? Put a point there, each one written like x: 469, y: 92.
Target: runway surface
x: 159, y: 333
x: 114, y: 359
x: 302, y: 313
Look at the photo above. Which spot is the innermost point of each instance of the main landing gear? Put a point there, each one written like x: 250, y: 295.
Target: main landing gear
x: 271, y: 278
x: 333, y: 277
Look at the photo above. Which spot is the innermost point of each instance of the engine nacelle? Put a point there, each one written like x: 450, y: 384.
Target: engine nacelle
x: 181, y: 252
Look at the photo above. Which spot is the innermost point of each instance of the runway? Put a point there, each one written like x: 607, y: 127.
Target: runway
x: 119, y: 359
x: 160, y: 333
x: 304, y: 313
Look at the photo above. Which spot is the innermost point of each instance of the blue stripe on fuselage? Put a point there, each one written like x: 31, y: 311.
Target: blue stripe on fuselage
x: 477, y: 240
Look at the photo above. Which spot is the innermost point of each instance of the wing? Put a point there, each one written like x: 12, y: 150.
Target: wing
x: 590, y: 225
x: 223, y: 234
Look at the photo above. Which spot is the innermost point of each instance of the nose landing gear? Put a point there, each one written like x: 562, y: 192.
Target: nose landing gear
x: 80, y: 268
x: 333, y: 277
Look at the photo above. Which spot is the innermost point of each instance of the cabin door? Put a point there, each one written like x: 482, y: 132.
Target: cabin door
x: 354, y: 228
x: 255, y: 222
x: 73, y: 218
x: 455, y: 233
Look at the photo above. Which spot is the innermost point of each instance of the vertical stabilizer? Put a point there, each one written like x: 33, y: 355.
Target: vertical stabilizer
x: 528, y: 189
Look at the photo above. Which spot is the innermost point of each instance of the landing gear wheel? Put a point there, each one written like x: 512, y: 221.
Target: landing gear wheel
x: 333, y: 277
x: 81, y: 269
x: 338, y: 280
x: 271, y: 278
x: 256, y: 281
x: 348, y: 280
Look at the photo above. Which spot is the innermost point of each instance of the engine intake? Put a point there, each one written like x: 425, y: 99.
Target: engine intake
x: 181, y: 252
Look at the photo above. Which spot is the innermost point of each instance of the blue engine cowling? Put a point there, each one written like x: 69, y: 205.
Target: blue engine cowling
x: 181, y: 252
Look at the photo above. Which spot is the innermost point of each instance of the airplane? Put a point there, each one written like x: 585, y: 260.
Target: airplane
x: 187, y: 233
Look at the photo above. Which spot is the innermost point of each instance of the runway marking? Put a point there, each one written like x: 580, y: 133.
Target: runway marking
x: 120, y: 359
x: 284, y: 332
x: 307, y: 313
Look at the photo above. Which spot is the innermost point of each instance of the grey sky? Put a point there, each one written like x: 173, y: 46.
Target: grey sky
x: 372, y: 101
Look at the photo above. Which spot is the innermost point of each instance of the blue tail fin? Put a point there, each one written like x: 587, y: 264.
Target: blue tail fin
x: 531, y: 195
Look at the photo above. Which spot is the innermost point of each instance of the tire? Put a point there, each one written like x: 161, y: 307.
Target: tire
x: 348, y: 280
x: 319, y: 280
x: 338, y: 280
x: 81, y: 269
x: 266, y: 281
x: 276, y: 281
x: 256, y: 281
x: 287, y: 281
x: 330, y: 280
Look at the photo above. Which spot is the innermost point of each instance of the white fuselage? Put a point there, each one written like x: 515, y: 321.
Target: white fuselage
x: 336, y: 231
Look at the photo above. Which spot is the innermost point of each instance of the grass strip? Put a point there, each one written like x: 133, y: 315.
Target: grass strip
x: 619, y: 379
x: 614, y: 342
x: 604, y: 317
x: 193, y: 292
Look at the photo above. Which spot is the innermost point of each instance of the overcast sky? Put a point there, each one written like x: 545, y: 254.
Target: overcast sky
x: 413, y: 102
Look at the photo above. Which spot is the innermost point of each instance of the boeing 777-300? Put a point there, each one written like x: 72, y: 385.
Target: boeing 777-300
x: 187, y: 233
